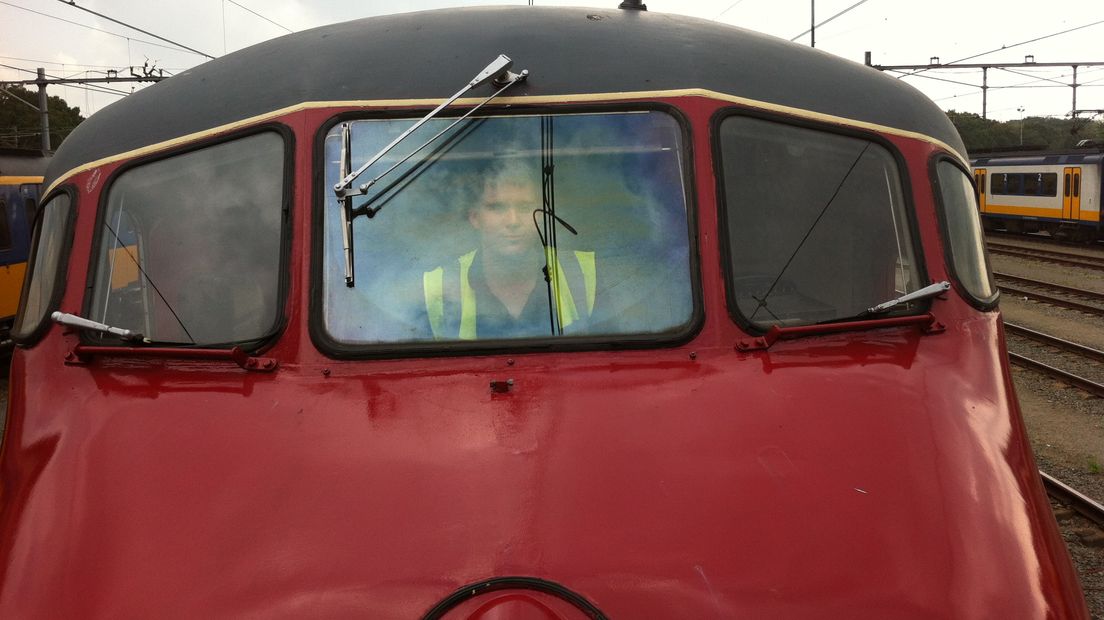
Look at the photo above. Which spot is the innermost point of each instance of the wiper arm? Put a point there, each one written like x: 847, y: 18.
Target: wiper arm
x: 931, y: 290
x: 498, y: 71
x: 72, y: 320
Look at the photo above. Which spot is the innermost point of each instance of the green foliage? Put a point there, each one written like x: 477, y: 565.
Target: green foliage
x: 1039, y: 132
x: 20, y: 125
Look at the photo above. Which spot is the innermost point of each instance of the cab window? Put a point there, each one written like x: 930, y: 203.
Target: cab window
x: 965, y: 243
x: 816, y: 225
x: 43, y: 284
x: 510, y: 228
x: 189, y: 247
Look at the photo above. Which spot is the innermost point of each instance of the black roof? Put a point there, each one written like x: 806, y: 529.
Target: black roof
x: 431, y: 54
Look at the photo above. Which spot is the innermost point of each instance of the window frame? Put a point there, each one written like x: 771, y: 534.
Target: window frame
x: 32, y: 336
x: 849, y: 132
x: 287, y: 207
x: 985, y: 305
x: 336, y: 349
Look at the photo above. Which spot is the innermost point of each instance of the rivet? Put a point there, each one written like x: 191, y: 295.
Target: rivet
x: 325, y: 372
x: 693, y: 355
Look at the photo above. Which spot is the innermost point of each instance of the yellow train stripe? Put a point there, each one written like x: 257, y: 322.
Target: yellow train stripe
x: 13, y: 180
x: 577, y: 98
x: 1055, y: 213
x: 11, y: 284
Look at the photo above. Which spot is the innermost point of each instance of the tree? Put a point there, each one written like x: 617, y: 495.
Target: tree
x: 20, y: 125
x: 1038, y: 132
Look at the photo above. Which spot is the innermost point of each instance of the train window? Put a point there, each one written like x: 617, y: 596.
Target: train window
x: 1032, y: 184
x: 1050, y: 183
x: 43, y: 283
x: 998, y: 183
x: 1076, y: 184
x: 962, y: 227
x: 816, y: 224
x: 189, y: 246
x: 1014, y: 184
x: 1066, y: 186
x: 513, y: 228
x: 5, y: 227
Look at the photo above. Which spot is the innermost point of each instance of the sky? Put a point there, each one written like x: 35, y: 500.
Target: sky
x: 70, y: 42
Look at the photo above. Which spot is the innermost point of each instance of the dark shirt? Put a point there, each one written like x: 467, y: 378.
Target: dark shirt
x: 493, y: 320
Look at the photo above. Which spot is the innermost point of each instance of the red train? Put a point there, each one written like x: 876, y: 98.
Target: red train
x: 660, y: 318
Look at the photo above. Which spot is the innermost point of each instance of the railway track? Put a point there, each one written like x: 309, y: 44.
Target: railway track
x: 1008, y: 282
x: 1050, y: 256
x: 1075, y: 500
x: 1066, y: 347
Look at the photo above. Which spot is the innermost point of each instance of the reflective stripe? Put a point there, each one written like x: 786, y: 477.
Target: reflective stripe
x: 467, y: 298
x: 567, y: 312
x: 590, y: 277
x: 433, y: 283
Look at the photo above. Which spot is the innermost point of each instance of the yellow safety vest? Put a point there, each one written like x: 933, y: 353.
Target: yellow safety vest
x: 433, y: 284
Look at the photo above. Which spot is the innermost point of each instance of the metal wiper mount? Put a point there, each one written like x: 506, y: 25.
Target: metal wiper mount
x: 497, y: 72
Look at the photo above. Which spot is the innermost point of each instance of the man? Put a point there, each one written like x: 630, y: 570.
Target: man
x: 501, y: 290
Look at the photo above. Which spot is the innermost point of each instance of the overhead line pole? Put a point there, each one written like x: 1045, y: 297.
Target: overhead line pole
x: 43, y: 100
x: 985, y: 73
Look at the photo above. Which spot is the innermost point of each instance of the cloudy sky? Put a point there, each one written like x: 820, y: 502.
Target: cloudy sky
x: 70, y: 42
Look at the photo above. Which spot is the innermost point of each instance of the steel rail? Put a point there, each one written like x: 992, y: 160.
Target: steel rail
x: 1054, y: 341
x: 1050, y: 256
x: 1091, y: 387
x: 1054, y: 301
x: 1080, y: 292
x: 1074, y: 499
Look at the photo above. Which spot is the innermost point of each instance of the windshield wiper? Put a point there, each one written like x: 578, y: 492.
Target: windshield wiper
x: 72, y: 320
x: 931, y: 290
x: 498, y: 72
x: 926, y: 321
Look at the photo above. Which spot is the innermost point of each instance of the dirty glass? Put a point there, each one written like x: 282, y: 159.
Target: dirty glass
x: 511, y: 227
x: 816, y: 223
x: 189, y: 246
x: 965, y: 243
x: 44, y: 275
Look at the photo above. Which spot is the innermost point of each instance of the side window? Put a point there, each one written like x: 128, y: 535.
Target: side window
x: 962, y: 228
x: 189, y: 247
x: 45, y: 273
x: 816, y: 224
x: 999, y: 183
x: 5, y: 227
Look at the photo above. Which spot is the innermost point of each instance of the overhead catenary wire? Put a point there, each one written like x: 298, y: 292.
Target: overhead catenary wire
x: 243, y: 7
x: 1006, y: 47
x: 808, y: 30
x: 74, y: 4
x: 114, y: 34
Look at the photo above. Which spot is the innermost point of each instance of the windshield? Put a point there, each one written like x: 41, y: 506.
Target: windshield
x: 189, y: 246
x: 817, y: 225
x: 514, y: 227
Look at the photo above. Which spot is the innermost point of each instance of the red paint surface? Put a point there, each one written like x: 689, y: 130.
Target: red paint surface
x: 878, y: 473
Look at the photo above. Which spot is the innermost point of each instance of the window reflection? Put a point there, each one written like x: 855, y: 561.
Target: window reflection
x: 189, y: 246
x: 513, y: 228
x: 817, y: 227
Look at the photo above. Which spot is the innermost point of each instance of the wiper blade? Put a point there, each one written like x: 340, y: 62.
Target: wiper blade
x: 498, y: 71
x: 931, y: 290
x: 72, y: 320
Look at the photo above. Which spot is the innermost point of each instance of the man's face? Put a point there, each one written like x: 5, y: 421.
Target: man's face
x: 504, y: 217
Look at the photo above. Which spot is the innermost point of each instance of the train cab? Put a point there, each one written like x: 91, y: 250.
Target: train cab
x: 519, y: 312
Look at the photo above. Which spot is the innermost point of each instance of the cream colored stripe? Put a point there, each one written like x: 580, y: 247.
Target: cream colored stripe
x: 581, y: 98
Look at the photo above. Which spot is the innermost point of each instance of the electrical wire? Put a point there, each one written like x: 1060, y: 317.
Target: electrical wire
x: 114, y: 34
x: 259, y: 15
x: 74, y: 4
